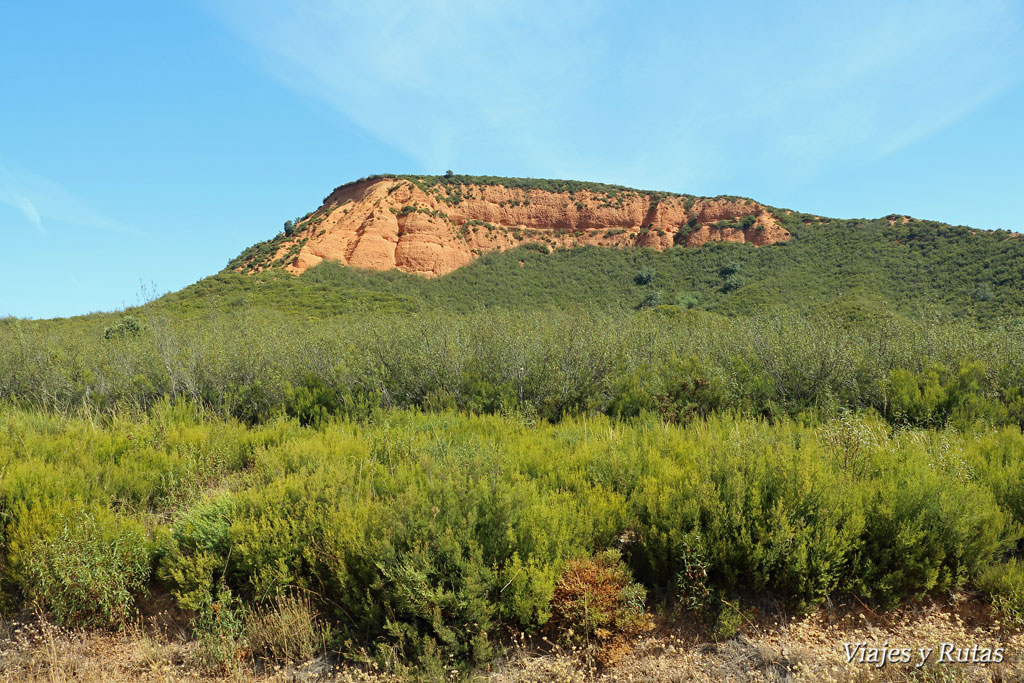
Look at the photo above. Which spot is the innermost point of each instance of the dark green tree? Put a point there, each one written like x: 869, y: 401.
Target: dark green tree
x: 644, y: 276
x: 651, y: 300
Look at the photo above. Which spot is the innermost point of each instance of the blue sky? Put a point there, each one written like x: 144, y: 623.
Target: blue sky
x: 143, y: 145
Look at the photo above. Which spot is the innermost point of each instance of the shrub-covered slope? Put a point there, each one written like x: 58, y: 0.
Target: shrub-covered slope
x: 859, y: 265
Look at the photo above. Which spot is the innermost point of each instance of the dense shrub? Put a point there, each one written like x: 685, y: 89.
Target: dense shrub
x: 686, y: 300
x: 1004, y: 584
x: 426, y: 568
x: 127, y: 326
x: 417, y: 538
x: 193, y: 561
x: 254, y: 367
x: 644, y: 276
x: 219, y: 630
x: 730, y: 268
x: 733, y: 282
x: 964, y: 526
x: 936, y: 396
x: 764, y: 515
x: 313, y: 403
x: 85, y: 567
x: 684, y: 390
x: 650, y: 300
x: 597, y: 598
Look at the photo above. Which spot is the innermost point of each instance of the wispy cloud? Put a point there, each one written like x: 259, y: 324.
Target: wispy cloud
x: 25, y: 205
x: 39, y: 198
x: 444, y: 81
x: 662, y: 90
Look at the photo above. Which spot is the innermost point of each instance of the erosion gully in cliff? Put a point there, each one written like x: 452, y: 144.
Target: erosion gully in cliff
x: 431, y: 226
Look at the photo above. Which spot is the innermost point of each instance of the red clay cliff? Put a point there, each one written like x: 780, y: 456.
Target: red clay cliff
x: 432, y: 229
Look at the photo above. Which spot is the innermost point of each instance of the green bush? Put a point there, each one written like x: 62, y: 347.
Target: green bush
x: 691, y: 391
x: 936, y: 396
x: 964, y: 526
x: 650, y: 300
x: 425, y: 566
x: 758, y: 508
x: 728, y: 622
x: 732, y: 283
x: 84, y: 566
x: 644, y: 276
x: 219, y: 630
x: 686, y: 299
x: 127, y: 327
x: 1004, y: 584
x: 765, y: 525
x: 195, y: 559
x: 694, y: 593
x: 730, y: 268
x: 313, y: 403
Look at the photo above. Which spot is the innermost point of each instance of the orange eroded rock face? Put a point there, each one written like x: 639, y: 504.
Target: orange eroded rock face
x: 385, y: 223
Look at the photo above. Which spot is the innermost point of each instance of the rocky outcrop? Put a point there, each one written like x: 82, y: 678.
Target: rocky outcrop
x: 431, y: 228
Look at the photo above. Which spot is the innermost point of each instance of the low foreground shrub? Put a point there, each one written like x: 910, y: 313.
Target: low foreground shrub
x: 597, y: 604
x: 420, y: 539
x: 83, y: 566
x: 1004, y: 583
x: 219, y: 630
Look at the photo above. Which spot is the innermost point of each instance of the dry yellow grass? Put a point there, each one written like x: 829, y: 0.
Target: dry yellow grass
x: 770, y: 648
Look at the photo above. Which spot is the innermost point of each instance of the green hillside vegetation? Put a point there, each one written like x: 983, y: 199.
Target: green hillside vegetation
x: 456, y: 182
x: 860, y: 265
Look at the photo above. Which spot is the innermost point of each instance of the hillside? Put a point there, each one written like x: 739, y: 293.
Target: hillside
x: 434, y: 225
x: 864, y: 265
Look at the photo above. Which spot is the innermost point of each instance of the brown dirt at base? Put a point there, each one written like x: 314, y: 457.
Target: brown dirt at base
x: 771, y: 647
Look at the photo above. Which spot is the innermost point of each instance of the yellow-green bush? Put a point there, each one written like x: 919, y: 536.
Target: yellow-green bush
x: 936, y: 396
x: 1004, y: 584
x: 82, y: 564
x: 769, y: 515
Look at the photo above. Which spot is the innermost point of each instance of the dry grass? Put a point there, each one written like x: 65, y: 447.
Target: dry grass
x: 769, y: 648
x: 778, y: 648
x: 287, y: 632
x: 37, y: 651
